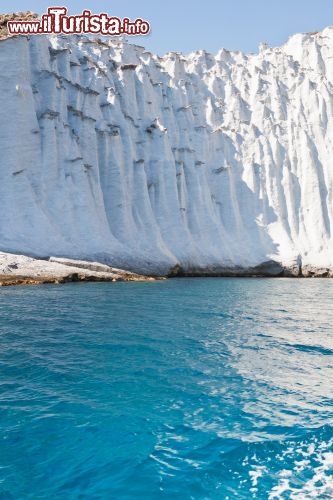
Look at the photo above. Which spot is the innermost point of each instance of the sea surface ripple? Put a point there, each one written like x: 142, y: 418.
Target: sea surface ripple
x: 185, y: 388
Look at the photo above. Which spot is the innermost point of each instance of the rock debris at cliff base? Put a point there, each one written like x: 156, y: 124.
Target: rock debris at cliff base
x: 23, y: 270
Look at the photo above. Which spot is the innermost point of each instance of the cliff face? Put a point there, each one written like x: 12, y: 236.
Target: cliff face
x: 110, y: 153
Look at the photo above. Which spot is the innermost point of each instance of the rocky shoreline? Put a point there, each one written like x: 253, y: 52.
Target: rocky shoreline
x: 23, y: 270
x: 269, y: 269
x: 8, y: 280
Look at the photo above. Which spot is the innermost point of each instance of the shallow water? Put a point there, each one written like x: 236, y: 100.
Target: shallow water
x: 187, y: 388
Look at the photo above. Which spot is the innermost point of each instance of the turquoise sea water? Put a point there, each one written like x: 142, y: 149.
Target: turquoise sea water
x: 187, y: 388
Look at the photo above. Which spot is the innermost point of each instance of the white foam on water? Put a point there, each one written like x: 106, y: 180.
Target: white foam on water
x: 316, y: 463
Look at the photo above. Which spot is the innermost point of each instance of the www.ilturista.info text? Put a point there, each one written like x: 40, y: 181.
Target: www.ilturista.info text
x: 57, y: 21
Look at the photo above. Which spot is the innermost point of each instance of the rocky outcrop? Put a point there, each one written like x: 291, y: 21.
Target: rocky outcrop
x: 14, y: 16
x: 317, y: 272
x: 22, y: 270
x: 269, y: 269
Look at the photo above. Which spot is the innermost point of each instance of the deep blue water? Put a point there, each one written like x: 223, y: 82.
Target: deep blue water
x: 187, y: 388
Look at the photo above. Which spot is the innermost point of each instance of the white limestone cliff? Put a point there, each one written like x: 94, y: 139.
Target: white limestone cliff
x: 110, y: 153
